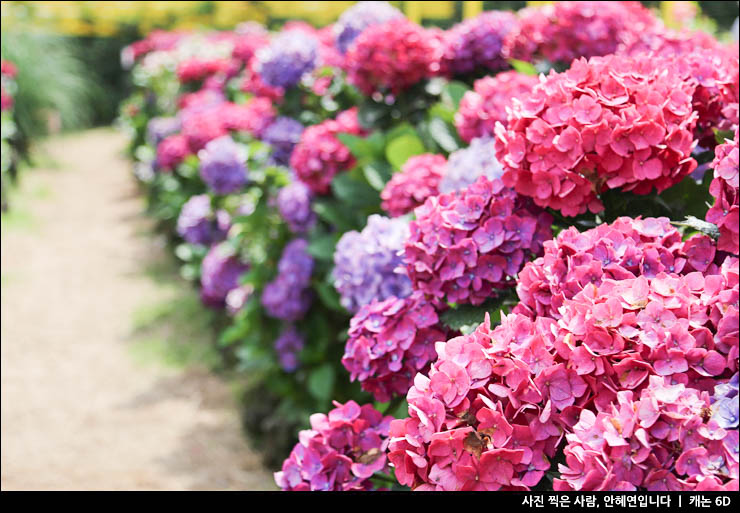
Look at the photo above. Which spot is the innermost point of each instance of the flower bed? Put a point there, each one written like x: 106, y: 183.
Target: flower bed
x: 480, y: 279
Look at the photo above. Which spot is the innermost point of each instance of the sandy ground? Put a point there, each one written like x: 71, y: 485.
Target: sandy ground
x: 78, y: 410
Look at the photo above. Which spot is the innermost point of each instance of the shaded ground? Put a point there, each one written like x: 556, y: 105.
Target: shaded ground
x: 90, y: 312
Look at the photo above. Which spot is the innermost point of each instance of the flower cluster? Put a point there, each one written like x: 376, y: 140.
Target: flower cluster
x: 609, y: 122
x: 288, y: 297
x: 288, y: 56
x: 159, y: 128
x: 463, y: 246
x: 171, y: 151
x: 390, y: 341
x: 195, y: 70
x: 476, y: 44
x: 252, y: 83
x: 294, y: 205
x: 223, y: 165
x: 360, y: 16
x: 626, y: 248
x: 220, y: 273
x: 247, y: 43
x: 8, y: 72
x: 465, y: 165
x: 287, y: 346
x: 724, y: 187
x: 282, y: 134
x: 340, y: 452
x: 366, y: 263
x: 486, y: 104
x: 563, y: 31
x: 253, y: 117
x: 419, y: 179
x: 319, y: 155
x: 197, y: 223
x: 392, y: 56
x: 725, y: 404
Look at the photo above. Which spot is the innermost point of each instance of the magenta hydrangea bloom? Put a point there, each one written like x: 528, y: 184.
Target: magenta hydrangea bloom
x: 220, y: 273
x: 483, y: 417
x: 197, y: 223
x: 289, y: 296
x: 486, y: 104
x: 419, y: 179
x: 340, y: 452
x: 223, y: 165
x: 476, y: 44
x: 606, y: 123
x: 390, y: 341
x: 724, y: 187
x: 196, y: 70
x: 253, y: 117
x: 319, y: 155
x: 246, y: 43
x: 367, y: 264
x: 392, y: 56
x: 294, y: 204
x: 563, y: 31
x: 171, y: 151
x: 357, y: 18
x: 161, y: 127
x: 463, y: 246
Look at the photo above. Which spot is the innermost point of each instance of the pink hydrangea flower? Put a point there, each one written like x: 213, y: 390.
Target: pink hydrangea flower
x: 340, y: 452
x: 463, y: 246
x: 391, y: 56
x: 171, y: 151
x: 319, y: 155
x: 724, y: 187
x: 195, y: 70
x: 389, y: 342
x: 418, y: 180
x: 606, y: 123
x: 486, y: 104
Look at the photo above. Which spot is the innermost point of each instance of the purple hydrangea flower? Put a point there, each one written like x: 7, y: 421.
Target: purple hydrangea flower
x: 476, y: 43
x: 289, y: 55
x: 220, y: 273
x: 365, y: 263
x: 197, y: 223
x: 288, y: 296
x: 223, y: 165
x: 287, y: 346
x: 294, y: 204
x: 159, y: 128
x: 282, y: 134
x: 466, y: 165
x: 725, y: 404
x: 360, y: 16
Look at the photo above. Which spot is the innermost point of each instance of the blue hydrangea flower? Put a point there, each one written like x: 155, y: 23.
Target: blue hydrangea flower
x: 282, y: 134
x: 288, y: 56
x: 365, y: 263
x: 466, y: 165
x: 288, y: 296
x: 287, y: 346
x: 198, y: 225
x: 159, y: 128
x: 294, y: 205
x: 360, y: 16
x: 223, y: 165
x: 725, y: 404
x: 220, y: 273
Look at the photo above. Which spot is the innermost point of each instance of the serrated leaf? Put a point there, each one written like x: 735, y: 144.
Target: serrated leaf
x: 443, y: 135
x: 321, y: 382
x: 401, y: 148
x: 523, y: 67
x: 322, y: 247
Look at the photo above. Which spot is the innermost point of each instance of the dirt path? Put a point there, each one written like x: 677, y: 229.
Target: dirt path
x: 78, y: 410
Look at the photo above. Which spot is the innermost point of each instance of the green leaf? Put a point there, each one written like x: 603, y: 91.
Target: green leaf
x: 523, y: 67
x: 322, y: 247
x: 334, y: 213
x: 353, y: 191
x: 321, y: 382
x: 377, y: 174
x: 453, y: 93
x: 467, y: 317
x: 443, y: 135
x: 401, y: 148
x: 721, y: 135
x: 370, y: 113
x: 358, y: 146
x: 329, y: 296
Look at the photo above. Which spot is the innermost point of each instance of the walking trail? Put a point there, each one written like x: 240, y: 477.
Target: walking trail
x: 79, y: 409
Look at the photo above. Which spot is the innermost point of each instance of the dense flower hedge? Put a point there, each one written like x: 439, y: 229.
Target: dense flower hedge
x: 7, y: 129
x: 552, y: 302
